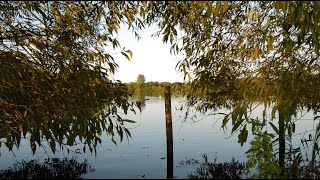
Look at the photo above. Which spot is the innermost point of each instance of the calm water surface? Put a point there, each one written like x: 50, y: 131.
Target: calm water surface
x: 144, y: 155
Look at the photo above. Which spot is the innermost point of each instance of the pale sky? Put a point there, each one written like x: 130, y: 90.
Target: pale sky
x: 150, y: 57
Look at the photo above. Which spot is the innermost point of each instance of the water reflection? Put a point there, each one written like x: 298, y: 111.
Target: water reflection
x: 213, y: 170
x: 142, y: 156
x: 168, y: 122
x: 206, y: 169
x: 50, y: 168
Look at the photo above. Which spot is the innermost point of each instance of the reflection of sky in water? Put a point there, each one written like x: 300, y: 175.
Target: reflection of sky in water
x: 142, y: 154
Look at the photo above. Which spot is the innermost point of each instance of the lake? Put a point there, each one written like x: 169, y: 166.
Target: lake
x: 144, y: 155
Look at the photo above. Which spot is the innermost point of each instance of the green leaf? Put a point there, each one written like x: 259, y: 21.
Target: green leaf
x: 242, y: 137
x: 33, y: 146
x: 274, y: 127
x: 209, y: 10
x: 53, y: 146
x: 113, y: 141
x: 225, y: 121
x: 120, y: 132
x: 273, y: 112
x: 28, y: 7
x: 125, y: 55
x: 114, y: 109
x: 128, y: 120
x: 96, y: 114
x: 127, y: 132
x: 238, y: 123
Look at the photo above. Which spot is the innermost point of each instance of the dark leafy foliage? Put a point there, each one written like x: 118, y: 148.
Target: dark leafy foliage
x: 237, y: 53
x: 55, y: 72
x: 49, y: 169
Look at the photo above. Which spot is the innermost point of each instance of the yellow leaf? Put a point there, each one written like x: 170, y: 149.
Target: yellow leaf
x: 58, y: 19
x: 257, y: 15
x: 256, y: 52
x: 225, y: 6
x: 218, y: 7
x: 189, y: 76
x: 96, y: 114
x: 268, y: 22
x: 130, y: 52
x: 269, y: 46
x: 251, y: 15
x: 252, y: 55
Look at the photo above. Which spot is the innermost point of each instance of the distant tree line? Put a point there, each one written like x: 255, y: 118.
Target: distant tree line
x: 143, y: 88
x: 156, y: 88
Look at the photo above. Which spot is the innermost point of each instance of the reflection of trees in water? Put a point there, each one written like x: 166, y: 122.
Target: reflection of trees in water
x: 213, y: 170
x: 296, y: 169
x: 50, y: 168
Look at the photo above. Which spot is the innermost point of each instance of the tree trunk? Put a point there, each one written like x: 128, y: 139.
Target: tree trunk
x: 282, y: 140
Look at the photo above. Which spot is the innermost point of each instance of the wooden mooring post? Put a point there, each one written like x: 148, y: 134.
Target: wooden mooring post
x: 167, y: 97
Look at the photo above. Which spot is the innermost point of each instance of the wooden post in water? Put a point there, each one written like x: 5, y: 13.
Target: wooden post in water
x: 167, y: 97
